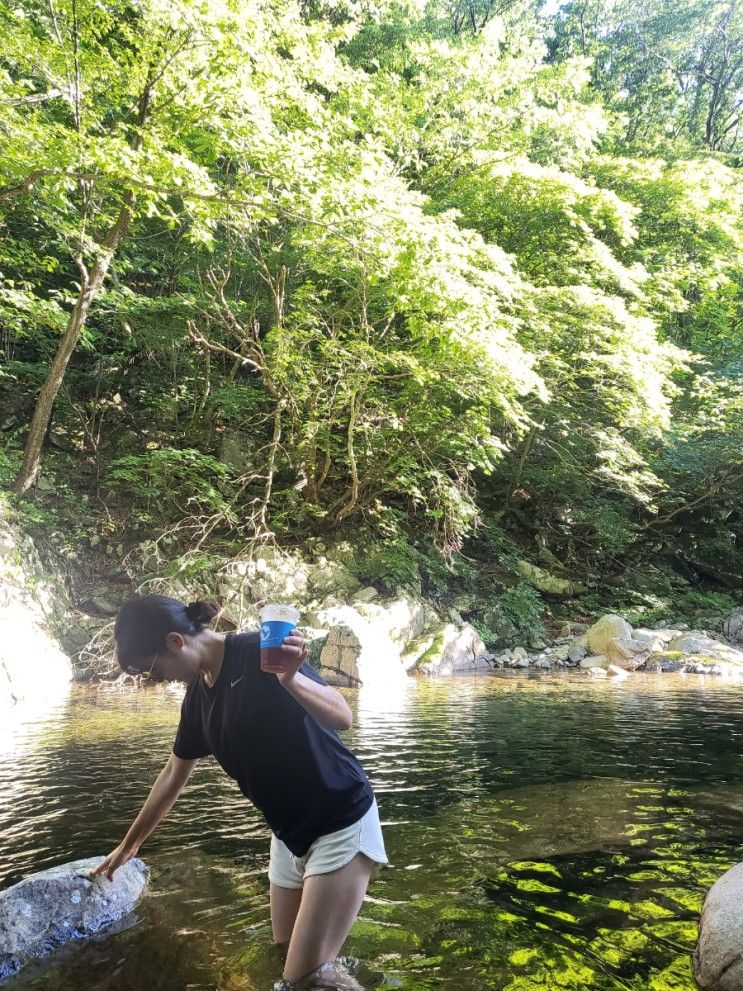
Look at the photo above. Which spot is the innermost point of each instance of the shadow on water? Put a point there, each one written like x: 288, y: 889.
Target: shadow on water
x: 544, y: 833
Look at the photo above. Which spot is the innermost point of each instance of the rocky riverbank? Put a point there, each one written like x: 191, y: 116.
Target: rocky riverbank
x: 612, y: 647
x: 358, y: 636
x: 371, y: 643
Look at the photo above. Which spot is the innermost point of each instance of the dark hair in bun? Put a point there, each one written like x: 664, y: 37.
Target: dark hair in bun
x: 201, y: 612
x: 143, y: 623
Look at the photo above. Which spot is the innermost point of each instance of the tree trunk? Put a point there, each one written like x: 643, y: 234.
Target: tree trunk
x: 91, y: 286
x: 513, y: 483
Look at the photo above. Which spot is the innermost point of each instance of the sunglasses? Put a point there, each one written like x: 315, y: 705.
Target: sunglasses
x: 150, y: 675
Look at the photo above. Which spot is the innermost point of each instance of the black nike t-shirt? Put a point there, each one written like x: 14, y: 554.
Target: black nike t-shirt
x: 298, y: 773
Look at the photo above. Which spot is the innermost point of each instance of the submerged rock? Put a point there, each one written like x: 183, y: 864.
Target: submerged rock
x: 529, y: 822
x: 48, y: 909
x: 718, y: 958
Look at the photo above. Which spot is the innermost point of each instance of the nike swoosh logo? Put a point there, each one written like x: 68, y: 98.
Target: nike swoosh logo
x: 233, y: 683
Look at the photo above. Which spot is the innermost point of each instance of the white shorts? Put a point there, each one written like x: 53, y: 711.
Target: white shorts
x: 329, y: 852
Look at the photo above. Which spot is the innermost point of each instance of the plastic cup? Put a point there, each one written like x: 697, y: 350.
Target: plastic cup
x: 277, y: 622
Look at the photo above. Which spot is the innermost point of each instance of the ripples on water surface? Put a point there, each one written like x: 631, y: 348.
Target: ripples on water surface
x: 544, y: 833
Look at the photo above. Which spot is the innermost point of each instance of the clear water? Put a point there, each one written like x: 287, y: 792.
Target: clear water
x: 544, y: 833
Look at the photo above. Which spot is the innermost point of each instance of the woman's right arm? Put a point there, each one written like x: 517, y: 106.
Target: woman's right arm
x: 160, y: 801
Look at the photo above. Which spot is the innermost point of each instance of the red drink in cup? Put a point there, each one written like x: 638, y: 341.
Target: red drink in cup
x: 277, y: 621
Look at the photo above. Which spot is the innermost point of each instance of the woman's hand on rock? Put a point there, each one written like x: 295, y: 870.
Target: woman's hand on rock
x: 117, y: 858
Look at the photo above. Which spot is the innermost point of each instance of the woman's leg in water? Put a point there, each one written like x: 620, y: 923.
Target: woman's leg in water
x: 284, y: 908
x: 328, y: 908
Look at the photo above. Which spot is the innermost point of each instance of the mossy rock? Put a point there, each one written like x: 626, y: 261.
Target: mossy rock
x: 547, y: 583
x: 435, y: 649
x: 419, y: 649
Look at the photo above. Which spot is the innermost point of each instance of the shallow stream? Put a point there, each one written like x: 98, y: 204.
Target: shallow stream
x: 545, y: 833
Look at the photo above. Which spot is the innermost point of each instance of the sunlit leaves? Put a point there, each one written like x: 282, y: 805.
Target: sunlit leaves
x: 450, y: 293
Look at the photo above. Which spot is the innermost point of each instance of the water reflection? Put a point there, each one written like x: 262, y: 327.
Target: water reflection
x: 543, y: 832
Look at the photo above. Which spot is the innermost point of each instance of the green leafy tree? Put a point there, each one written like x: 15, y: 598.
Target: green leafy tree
x: 123, y: 112
x: 417, y: 273
x: 673, y: 70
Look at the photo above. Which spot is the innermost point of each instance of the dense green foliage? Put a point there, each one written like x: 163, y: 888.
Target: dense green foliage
x: 456, y: 276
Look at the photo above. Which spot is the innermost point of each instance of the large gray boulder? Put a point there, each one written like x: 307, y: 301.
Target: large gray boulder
x: 656, y: 639
x: 50, y: 908
x: 718, y: 958
x: 456, y: 649
x: 611, y: 641
x: 700, y: 644
x: 605, y: 629
x: 627, y: 653
x: 339, y: 656
x: 608, y: 641
x: 733, y: 626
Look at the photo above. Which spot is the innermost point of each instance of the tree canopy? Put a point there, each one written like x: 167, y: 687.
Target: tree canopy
x: 462, y: 279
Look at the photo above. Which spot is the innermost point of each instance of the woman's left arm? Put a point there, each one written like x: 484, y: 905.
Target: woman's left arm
x: 323, y: 703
